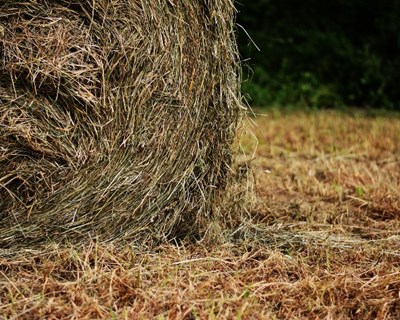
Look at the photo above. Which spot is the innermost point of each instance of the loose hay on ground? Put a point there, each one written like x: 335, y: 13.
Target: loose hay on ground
x: 117, y: 118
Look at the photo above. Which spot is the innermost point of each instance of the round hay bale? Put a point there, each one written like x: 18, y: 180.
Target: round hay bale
x: 117, y: 118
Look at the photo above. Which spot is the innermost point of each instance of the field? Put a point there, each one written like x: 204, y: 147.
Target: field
x: 322, y: 240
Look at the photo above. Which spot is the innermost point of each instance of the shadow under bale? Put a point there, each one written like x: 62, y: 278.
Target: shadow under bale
x: 117, y: 118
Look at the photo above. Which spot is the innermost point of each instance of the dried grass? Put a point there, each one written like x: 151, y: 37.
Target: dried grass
x: 244, y: 281
x: 309, y: 251
x: 117, y: 118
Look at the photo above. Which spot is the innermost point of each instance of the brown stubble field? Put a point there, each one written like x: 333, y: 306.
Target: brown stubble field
x: 322, y: 240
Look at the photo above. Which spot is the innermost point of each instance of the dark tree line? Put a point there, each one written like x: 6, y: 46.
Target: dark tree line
x: 322, y: 53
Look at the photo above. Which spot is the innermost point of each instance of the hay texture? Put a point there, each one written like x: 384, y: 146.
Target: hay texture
x: 117, y: 117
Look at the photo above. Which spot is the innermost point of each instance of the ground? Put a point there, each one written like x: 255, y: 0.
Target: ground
x: 322, y: 240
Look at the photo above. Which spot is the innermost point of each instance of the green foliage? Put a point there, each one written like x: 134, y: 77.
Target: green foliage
x: 359, y: 191
x: 303, y: 90
x: 322, y: 54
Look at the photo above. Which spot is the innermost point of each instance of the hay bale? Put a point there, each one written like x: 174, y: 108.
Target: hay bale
x: 116, y: 117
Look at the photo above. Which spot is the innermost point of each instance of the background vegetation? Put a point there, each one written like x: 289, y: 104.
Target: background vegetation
x: 322, y: 53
